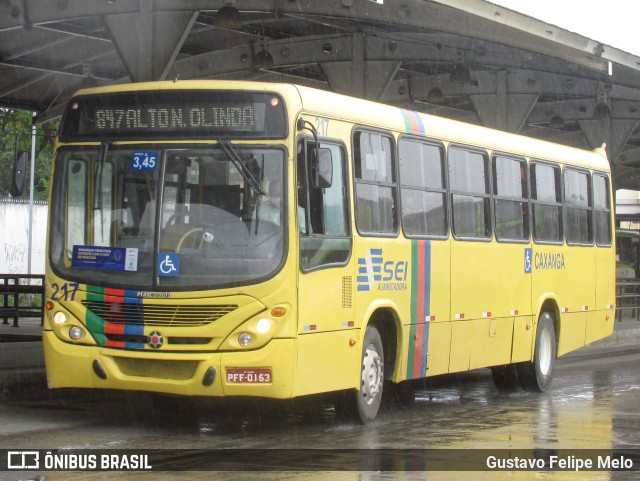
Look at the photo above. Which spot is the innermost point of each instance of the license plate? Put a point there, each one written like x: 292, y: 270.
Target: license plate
x: 248, y: 376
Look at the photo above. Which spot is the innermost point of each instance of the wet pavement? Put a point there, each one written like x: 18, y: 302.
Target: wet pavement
x: 593, y: 404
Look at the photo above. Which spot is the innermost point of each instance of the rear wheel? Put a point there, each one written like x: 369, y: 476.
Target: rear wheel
x: 538, y: 374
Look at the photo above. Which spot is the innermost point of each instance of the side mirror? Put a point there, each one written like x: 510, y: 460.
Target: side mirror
x: 322, y: 168
x: 19, y: 173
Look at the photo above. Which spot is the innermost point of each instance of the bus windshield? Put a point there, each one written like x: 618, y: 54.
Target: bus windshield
x: 154, y: 217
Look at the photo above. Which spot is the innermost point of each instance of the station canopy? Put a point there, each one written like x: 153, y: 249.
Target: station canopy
x: 469, y: 60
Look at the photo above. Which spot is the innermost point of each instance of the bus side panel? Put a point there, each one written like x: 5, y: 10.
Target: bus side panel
x: 439, y: 348
x: 522, y: 339
x: 461, y: 344
x: 325, y: 300
x: 480, y: 343
x: 566, y: 273
x: 434, y: 256
x: 489, y: 280
x: 599, y: 325
x: 389, y: 279
x: 600, y: 322
x: 326, y: 362
x: 489, y: 287
x: 495, y: 349
x: 581, y: 264
x: 572, y: 332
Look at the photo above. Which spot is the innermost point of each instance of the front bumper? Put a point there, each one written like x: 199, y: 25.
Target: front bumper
x: 184, y: 373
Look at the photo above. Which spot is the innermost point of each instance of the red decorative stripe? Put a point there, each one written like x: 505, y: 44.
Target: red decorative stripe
x: 111, y: 328
x: 114, y: 295
x: 420, y: 310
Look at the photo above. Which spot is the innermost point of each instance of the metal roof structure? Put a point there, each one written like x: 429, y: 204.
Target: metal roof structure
x: 468, y: 60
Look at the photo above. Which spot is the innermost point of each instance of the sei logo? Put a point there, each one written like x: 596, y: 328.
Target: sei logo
x: 374, y: 271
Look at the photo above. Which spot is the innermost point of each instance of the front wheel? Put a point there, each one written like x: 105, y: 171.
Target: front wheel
x: 363, y: 404
x: 371, y: 376
x: 537, y: 375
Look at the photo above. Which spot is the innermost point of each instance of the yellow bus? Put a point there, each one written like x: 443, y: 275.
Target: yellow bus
x: 215, y: 238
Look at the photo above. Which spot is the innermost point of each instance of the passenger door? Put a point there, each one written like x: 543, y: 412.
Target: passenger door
x: 325, y: 308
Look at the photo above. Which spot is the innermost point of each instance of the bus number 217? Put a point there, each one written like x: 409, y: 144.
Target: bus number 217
x: 64, y: 292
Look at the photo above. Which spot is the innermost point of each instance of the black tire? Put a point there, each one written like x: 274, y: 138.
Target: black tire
x: 363, y: 404
x: 369, y: 397
x: 538, y: 374
x: 505, y: 377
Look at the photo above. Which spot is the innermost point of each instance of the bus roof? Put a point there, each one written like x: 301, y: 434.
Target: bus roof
x: 384, y: 116
x: 368, y: 113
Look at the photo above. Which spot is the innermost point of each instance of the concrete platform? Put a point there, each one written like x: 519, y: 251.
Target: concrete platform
x: 29, y: 328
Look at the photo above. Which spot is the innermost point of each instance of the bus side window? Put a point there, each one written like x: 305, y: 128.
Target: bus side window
x: 511, y: 199
x: 578, y: 207
x: 322, y: 212
x: 546, y: 202
x: 602, y: 210
x: 470, y: 193
x: 424, y: 198
x: 375, y: 183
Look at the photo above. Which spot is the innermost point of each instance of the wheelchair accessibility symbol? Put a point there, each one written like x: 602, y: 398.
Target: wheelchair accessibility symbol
x: 168, y: 264
x: 527, y: 260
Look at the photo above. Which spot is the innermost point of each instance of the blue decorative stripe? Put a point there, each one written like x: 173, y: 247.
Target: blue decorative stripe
x: 134, y: 330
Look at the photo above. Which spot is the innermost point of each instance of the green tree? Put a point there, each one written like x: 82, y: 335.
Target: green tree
x: 12, y: 122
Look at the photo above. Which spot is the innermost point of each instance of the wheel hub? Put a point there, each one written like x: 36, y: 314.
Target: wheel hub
x: 545, y: 353
x: 372, y: 374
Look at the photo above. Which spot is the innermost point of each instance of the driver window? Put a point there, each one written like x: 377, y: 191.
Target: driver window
x: 322, y: 212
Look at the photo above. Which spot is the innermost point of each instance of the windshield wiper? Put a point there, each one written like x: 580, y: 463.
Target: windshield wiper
x: 241, y: 166
x: 97, y: 181
x: 97, y: 193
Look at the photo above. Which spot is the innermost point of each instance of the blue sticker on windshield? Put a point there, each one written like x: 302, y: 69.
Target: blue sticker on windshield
x: 144, y: 160
x: 99, y: 257
x: 168, y: 264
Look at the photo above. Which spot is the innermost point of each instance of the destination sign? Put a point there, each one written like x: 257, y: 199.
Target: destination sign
x: 174, y: 114
x: 235, y: 117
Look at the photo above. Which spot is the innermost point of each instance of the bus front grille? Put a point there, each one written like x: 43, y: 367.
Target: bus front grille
x: 158, y: 314
x: 160, y: 369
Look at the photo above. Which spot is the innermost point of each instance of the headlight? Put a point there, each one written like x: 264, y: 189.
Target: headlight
x: 257, y: 331
x: 263, y: 325
x: 75, y: 333
x: 60, y: 318
x: 244, y: 339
